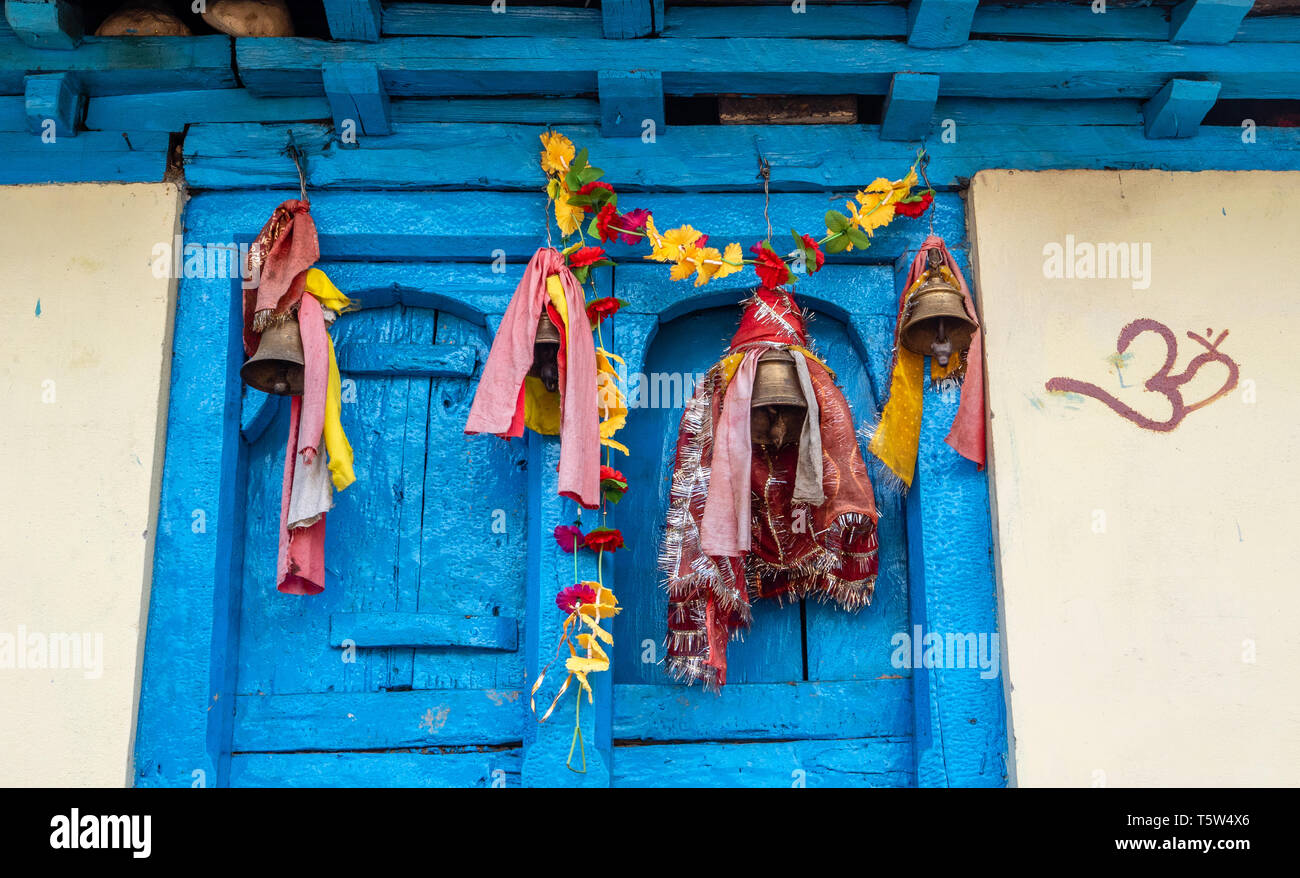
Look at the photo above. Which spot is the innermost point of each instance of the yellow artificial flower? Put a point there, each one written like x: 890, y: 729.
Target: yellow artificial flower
x: 673, y: 244
x: 685, y: 265
x: 708, y: 261
x: 557, y: 152
x: 652, y: 235
x: 568, y: 216
x: 732, y: 261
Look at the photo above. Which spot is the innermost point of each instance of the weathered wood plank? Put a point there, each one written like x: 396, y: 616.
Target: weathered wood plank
x: 45, y: 24
x: 424, y: 630
x: 386, y: 358
x: 627, y: 19
x: 378, y: 720
x: 764, y: 711
x: 357, y: 99
x: 115, y: 66
x: 1207, y: 21
x: 937, y: 24
x: 788, y: 110
x: 55, y: 104
x: 528, y: 111
x: 714, y: 158
x: 172, y: 111
x: 1178, y: 109
x: 354, y: 19
x: 909, y: 106
x: 448, y: 20
x: 846, y: 763
x: 485, y: 769
x: 436, y: 66
x: 631, y: 103
x: 91, y: 156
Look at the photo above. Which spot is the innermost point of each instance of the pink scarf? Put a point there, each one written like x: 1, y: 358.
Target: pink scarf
x: 498, y: 406
x: 725, y: 526
x: 300, y: 568
x: 286, y: 246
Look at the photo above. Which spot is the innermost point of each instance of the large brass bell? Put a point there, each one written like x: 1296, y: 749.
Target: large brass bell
x: 935, y: 322
x: 777, y: 408
x: 546, y: 354
x: 276, y: 367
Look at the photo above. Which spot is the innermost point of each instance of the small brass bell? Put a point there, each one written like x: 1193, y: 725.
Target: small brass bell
x: 276, y: 367
x: 546, y: 354
x: 777, y: 408
x: 935, y: 322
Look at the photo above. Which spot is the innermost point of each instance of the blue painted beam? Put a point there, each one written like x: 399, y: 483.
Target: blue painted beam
x: 450, y: 20
x: 407, y: 358
x: 909, y: 106
x: 480, y: 769
x: 862, y: 762
x: 1004, y: 69
x: 55, y: 105
x: 90, y: 157
x: 722, y: 158
x: 627, y: 19
x: 1207, y: 21
x: 126, y: 65
x: 172, y: 111
x: 357, y: 99
x: 46, y: 24
x: 354, y: 19
x: 939, y: 24
x: 424, y: 630
x: 1177, y: 110
x: 631, y: 103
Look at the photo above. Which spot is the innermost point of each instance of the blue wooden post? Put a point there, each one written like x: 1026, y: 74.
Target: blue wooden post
x: 958, y: 713
x: 357, y: 96
x: 909, y: 106
x: 631, y: 102
x: 939, y: 24
x: 45, y: 24
x: 624, y: 19
x: 1207, y: 21
x: 1178, y: 108
x: 355, y: 19
x: 55, y: 98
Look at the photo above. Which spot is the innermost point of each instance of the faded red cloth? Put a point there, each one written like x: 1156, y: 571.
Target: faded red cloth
x: 286, y: 247
x: 300, y: 566
x: 796, y: 550
x: 498, y: 405
x: 966, y: 435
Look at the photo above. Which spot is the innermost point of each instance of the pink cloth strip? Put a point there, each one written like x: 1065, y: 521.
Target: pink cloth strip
x: 725, y: 526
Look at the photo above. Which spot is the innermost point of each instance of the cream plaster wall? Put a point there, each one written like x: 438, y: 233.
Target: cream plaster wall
x: 84, y: 384
x: 1147, y: 578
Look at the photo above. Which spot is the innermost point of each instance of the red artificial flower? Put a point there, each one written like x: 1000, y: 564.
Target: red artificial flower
x: 606, y: 216
x: 915, y: 208
x: 772, y: 270
x: 587, y: 188
x: 604, y: 539
x: 613, y: 484
x: 585, y: 256
x: 599, y: 309
x: 702, y: 241
x: 569, y: 599
x: 608, y: 472
x: 632, y: 221
x: 810, y: 244
x: 568, y: 537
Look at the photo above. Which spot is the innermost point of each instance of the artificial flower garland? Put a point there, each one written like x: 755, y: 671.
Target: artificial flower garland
x: 574, y: 190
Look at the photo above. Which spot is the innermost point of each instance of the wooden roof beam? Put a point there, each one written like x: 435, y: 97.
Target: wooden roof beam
x: 939, y: 24
x: 45, y: 24
x: 1207, y: 21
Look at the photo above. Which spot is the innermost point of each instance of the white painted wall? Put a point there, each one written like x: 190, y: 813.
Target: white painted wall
x: 1147, y: 579
x: 84, y: 389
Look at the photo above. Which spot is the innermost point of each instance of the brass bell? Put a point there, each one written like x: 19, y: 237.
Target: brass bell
x: 546, y: 354
x: 935, y: 321
x: 777, y: 408
x: 277, y: 365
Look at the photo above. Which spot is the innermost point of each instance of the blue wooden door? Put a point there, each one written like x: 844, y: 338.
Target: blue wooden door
x: 406, y: 670
x: 811, y: 697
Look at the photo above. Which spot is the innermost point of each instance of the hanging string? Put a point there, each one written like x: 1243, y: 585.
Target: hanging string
x: 920, y: 166
x: 296, y: 154
x: 765, y: 172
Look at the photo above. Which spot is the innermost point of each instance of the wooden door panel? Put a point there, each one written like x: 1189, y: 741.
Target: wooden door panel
x: 860, y: 762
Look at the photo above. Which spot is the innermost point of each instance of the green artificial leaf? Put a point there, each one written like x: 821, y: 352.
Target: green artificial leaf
x: 836, y: 221
x: 588, y: 175
x: 592, y: 229
x: 613, y: 495
x: 836, y: 244
x: 860, y: 239
x: 581, y: 274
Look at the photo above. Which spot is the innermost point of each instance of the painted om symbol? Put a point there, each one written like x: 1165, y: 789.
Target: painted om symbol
x: 1162, y: 382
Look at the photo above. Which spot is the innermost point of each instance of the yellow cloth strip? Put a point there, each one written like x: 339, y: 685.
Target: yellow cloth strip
x: 896, y: 437
x: 336, y: 441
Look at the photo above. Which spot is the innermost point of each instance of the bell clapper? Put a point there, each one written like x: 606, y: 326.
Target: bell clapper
x: 941, y: 347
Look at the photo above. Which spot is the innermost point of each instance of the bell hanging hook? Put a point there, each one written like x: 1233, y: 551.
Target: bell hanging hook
x: 765, y: 174
x: 295, y: 153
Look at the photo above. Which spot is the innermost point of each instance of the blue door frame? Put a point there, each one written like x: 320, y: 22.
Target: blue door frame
x: 187, y: 704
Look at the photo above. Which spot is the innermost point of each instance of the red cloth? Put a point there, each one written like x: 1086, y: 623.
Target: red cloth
x: 498, y: 405
x: 829, y: 551
x: 286, y: 247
